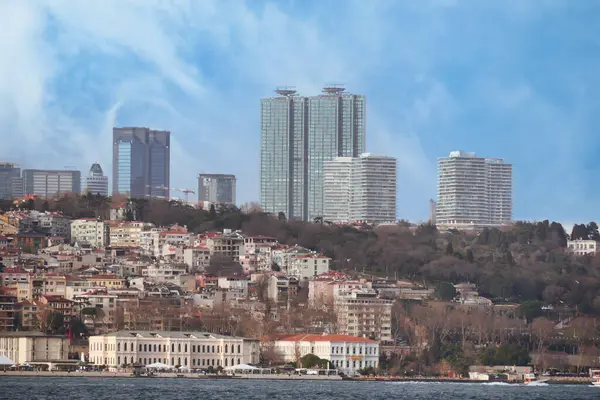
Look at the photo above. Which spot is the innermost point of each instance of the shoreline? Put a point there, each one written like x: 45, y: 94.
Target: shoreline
x: 170, y: 375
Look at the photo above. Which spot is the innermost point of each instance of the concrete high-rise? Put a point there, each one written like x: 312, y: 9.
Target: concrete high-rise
x: 96, y: 183
x: 216, y: 188
x: 141, y: 162
x: 11, y: 184
x: 46, y: 183
x: 298, y: 134
x: 473, y: 191
x: 360, y: 189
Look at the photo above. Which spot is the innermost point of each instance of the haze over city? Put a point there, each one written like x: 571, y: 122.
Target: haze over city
x: 502, y: 79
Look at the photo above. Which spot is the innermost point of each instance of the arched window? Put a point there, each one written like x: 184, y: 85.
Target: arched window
x: 118, y: 360
x: 185, y: 348
x: 179, y: 361
x: 140, y: 347
x: 172, y: 347
x: 225, y: 350
x: 145, y: 348
x: 179, y: 348
x: 239, y: 361
x: 173, y: 361
x: 119, y: 346
x: 232, y: 361
x: 155, y: 348
x: 239, y: 349
x: 225, y: 362
x: 185, y: 361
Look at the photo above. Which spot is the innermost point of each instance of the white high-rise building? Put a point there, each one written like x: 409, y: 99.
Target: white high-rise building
x: 360, y: 189
x: 96, y: 183
x: 473, y: 191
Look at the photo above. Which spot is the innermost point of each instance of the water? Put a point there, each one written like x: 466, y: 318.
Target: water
x: 83, y: 388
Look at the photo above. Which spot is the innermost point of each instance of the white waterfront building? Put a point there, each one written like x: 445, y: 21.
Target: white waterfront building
x: 360, y: 189
x: 348, y: 354
x: 185, y: 349
x: 473, y: 191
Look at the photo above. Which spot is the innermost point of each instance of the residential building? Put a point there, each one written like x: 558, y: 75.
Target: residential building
x: 581, y: 247
x: 141, y: 162
x: 99, y: 310
x: 348, y: 354
x: 33, y: 347
x: 473, y: 191
x: 309, y: 266
x: 229, y: 244
x: 8, y: 311
x: 185, y: 349
x: 161, y: 273
x: 216, y: 188
x: 96, y: 183
x: 126, y: 234
x: 360, y: 189
x: 298, y: 134
x: 56, y: 304
x: 196, y: 258
x: 28, y: 315
x: 48, y: 183
x: 89, y: 231
x: 362, y: 313
x: 11, y: 184
x: 55, y: 224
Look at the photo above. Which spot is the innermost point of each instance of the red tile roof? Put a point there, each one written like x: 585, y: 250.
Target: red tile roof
x: 322, y: 338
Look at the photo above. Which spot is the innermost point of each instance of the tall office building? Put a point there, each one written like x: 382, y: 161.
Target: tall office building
x: 96, y: 183
x: 11, y: 184
x: 141, y: 162
x: 360, y: 189
x: 216, y: 188
x: 298, y: 134
x: 473, y: 191
x: 47, y: 183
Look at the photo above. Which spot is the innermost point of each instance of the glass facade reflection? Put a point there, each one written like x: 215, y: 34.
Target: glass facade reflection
x: 141, y: 162
x: 298, y: 134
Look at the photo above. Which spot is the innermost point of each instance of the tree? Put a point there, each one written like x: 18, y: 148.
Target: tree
x: 445, y: 291
x: 592, y: 231
x: 449, y: 249
x: 470, y: 257
x: 281, y: 216
x: 530, y: 310
x: 212, y: 212
x: 311, y: 361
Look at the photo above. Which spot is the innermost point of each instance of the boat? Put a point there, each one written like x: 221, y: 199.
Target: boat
x: 596, y: 383
x: 532, y: 380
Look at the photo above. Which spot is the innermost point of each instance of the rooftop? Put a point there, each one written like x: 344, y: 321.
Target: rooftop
x: 323, y: 338
x: 169, y: 334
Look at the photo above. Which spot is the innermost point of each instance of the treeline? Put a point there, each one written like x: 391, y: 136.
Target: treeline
x: 525, y: 262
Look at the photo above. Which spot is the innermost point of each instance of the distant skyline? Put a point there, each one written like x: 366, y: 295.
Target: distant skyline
x: 511, y: 79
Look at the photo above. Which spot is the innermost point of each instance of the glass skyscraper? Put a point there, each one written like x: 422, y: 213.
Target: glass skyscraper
x: 298, y: 134
x: 141, y: 162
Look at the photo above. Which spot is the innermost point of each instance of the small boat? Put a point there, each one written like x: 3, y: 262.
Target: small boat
x: 532, y: 380
x: 596, y: 383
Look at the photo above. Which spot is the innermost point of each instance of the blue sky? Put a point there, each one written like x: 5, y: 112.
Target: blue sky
x: 515, y: 79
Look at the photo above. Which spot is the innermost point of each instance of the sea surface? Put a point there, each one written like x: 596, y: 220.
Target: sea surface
x: 87, y: 388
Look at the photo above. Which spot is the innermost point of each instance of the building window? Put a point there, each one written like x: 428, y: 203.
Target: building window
x: 225, y: 352
x: 155, y: 348
x: 145, y: 348
x: 239, y: 349
x: 172, y: 347
x: 179, y: 348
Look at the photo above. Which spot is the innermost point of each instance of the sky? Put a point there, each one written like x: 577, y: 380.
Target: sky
x: 515, y: 79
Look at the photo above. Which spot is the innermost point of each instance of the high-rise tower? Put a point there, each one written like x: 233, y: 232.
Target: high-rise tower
x: 96, y: 183
x: 473, y: 191
x: 298, y: 134
x: 141, y: 162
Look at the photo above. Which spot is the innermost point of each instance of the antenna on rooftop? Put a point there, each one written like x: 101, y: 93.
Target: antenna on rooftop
x: 334, y: 88
x: 286, y: 90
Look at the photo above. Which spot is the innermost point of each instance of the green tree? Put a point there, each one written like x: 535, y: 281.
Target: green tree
x: 530, y: 310
x: 212, y: 213
x: 311, y: 361
x: 445, y: 291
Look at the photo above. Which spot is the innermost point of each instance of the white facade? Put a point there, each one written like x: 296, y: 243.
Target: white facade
x: 186, y: 349
x: 55, y: 223
x: 28, y: 347
x: 309, y: 266
x: 582, y: 247
x: 96, y: 183
x: 127, y: 234
x: 473, y: 191
x: 47, y: 183
x: 360, y: 189
x: 165, y: 272
x: 348, y: 354
x: 196, y: 258
x: 89, y: 231
x: 362, y: 313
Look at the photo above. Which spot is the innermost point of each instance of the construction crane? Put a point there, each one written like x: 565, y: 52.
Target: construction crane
x: 186, y: 192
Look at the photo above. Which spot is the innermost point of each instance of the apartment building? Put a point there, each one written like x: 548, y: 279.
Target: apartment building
x: 89, y: 231
x: 360, y: 189
x: 309, y: 266
x: 581, y: 247
x: 126, y: 234
x: 348, y: 354
x: 363, y: 313
x: 473, y: 191
x: 184, y: 349
x: 228, y: 244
